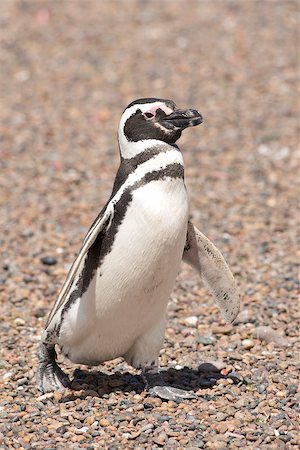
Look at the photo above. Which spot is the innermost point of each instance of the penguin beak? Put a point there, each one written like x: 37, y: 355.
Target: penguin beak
x: 182, y: 118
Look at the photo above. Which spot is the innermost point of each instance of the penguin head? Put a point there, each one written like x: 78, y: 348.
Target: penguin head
x: 153, y: 119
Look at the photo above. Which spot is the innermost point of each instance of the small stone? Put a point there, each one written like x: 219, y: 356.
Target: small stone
x: 222, y: 427
x: 217, y: 445
x: 269, y: 335
x: 126, y: 435
x: 57, y: 395
x: 222, y: 329
x: 49, y: 260
x: 292, y: 389
x: 236, y: 377
x: 217, y: 364
x: 104, y: 423
x: 225, y: 372
x: 62, y: 429
x: 22, y: 381
x: 206, y: 340
x: 248, y: 344
x: 45, y: 396
x: 240, y: 403
x: 191, y: 321
x: 281, y: 394
x: 139, y: 407
x: 7, y: 376
x: 19, y: 322
x: 90, y: 420
x: 81, y: 430
x: 148, y: 405
x: 146, y: 428
x: 220, y: 416
x: 40, y: 312
x: 261, y: 388
x: 160, y: 439
x: 245, y: 316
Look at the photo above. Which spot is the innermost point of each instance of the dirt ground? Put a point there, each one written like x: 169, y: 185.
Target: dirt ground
x: 68, y: 69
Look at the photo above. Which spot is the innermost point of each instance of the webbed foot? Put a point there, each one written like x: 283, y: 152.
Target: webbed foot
x: 49, y: 375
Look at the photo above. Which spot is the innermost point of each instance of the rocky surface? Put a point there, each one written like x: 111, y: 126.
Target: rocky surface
x: 67, y: 71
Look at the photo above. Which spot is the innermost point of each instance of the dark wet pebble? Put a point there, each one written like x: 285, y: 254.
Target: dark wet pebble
x: 62, y: 429
x: 49, y: 260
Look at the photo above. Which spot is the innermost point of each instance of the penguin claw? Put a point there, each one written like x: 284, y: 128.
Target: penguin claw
x: 51, y: 378
x: 49, y: 375
x: 171, y: 393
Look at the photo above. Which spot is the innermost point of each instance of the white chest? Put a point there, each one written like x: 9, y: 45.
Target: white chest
x: 148, y: 246
x: 130, y: 291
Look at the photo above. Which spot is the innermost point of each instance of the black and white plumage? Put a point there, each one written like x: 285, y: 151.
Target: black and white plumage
x: 113, y: 302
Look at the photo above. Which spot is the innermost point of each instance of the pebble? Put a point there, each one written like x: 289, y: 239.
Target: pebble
x: 46, y: 396
x: 19, y: 322
x: 7, y: 375
x: 160, y: 439
x: 49, y: 260
x: 81, y: 430
x: 40, y: 312
x: 62, y: 429
x: 57, y: 395
x: 104, y: 422
x: 248, y: 344
x: 292, y: 389
x: 206, y: 340
x: 191, y: 321
x: 22, y: 381
x: 222, y: 329
x: 269, y: 335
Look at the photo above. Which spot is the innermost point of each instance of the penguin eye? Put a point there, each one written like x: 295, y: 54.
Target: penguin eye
x: 149, y: 115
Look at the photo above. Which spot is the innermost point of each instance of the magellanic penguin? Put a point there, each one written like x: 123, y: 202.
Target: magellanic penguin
x: 113, y: 302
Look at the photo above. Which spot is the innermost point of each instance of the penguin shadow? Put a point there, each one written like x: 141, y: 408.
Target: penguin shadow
x: 98, y: 384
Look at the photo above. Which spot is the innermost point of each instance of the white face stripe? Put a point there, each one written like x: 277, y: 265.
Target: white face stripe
x: 144, y: 107
x: 158, y: 105
x: 130, y: 149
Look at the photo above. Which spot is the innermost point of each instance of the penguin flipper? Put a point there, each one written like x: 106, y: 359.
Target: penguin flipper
x: 49, y: 375
x: 203, y: 255
x: 102, y: 222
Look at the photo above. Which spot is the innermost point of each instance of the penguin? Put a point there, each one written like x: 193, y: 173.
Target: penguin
x: 113, y: 302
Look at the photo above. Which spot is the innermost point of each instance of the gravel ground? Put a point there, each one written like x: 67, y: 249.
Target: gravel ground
x: 67, y: 71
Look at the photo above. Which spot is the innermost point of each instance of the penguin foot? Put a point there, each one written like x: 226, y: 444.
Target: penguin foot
x: 49, y: 376
x: 156, y: 387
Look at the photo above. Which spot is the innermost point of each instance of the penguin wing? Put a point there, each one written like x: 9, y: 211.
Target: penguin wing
x: 202, y: 254
x: 101, y: 222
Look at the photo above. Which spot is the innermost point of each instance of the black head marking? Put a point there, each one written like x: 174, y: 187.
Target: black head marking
x: 163, y: 121
x: 137, y: 128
